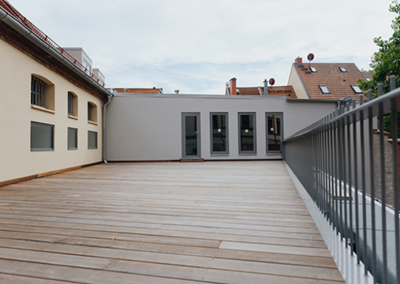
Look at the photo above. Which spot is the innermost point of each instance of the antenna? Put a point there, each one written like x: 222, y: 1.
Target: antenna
x: 310, y: 58
x: 271, y: 81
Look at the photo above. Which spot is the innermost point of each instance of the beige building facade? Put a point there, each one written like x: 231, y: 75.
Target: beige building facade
x: 51, y: 113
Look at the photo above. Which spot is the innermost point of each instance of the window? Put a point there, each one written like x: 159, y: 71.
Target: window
x: 356, y: 89
x: 72, y: 104
x: 38, y: 92
x: 88, y: 67
x: 42, y: 93
x: 368, y: 79
x: 274, y: 132
x: 247, y: 133
x: 72, y: 138
x: 42, y: 136
x: 324, y: 89
x: 313, y: 69
x: 92, y: 112
x: 342, y: 69
x: 92, y: 140
x: 219, y: 133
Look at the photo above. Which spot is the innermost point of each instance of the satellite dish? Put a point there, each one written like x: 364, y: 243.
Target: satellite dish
x: 310, y: 57
x: 271, y: 81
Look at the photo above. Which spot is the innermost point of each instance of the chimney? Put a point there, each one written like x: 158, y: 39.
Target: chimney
x: 298, y: 60
x: 232, y: 86
x: 265, y: 88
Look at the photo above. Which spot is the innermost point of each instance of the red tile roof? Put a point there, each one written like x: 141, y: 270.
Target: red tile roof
x: 329, y: 75
x: 272, y: 91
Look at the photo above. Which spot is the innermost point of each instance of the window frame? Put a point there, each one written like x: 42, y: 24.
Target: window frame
x: 76, y: 139
x: 42, y: 94
x: 353, y: 87
x: 72, y: 104
x: 92, y: 112
x: 51, y: 126
x: 226, y: 134
x: 241, y: 152
x: 313, y: 69
x: 342, y: 69
x: 322, y: 91
x: 271, y: 152
x: 97, y: 145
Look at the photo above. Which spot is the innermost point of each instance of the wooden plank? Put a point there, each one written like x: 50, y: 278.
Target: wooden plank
x: 219, y: 222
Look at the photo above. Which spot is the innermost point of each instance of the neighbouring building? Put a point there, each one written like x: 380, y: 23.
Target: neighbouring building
x: 51, y: 109
x: 326, y: 81
x: 265, y: 90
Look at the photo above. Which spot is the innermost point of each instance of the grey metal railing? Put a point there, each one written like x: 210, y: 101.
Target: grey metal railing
x: 349, y: 168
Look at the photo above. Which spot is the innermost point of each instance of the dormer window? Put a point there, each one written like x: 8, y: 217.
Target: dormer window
x: 324, y: 89
x: 342, y: 69
x: 313, y: 69
x: 356, y: 89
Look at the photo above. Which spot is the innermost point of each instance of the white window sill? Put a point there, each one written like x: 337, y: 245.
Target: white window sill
x: 43, y: 109
x: 92, y: 122
x: 72, y: 117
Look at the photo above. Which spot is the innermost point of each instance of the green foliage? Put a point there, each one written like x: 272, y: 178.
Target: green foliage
x: 386, y: 61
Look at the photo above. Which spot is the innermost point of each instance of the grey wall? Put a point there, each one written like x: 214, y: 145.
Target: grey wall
x: 148, y: 127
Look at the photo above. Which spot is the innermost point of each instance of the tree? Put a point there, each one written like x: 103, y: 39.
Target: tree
x: 386, y: 61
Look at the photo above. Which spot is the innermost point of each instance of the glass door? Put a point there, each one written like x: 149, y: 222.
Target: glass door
x: 191, y: 135
x: 274, y: 132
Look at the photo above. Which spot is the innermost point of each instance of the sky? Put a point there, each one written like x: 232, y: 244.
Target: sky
x: 197, y: 46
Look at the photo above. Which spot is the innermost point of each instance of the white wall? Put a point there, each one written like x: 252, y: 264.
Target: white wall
x: 16, y: 158
x: 148, y: 127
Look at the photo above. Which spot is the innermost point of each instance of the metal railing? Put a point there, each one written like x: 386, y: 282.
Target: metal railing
x: 349, y: 168
x: 14, y: 12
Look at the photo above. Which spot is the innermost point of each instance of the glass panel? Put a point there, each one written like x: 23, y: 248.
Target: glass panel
x: 219, y: 133
x: 92, y: 140
x: 42, y: 136
x: 72, y: 138
x: 70, y: 103
x: 274, y: 132
x: 247, y: 133
x: 191, y: 135
x: 90, y: 112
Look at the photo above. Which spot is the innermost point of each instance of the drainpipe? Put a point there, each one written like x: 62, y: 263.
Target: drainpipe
x: 104, y: 126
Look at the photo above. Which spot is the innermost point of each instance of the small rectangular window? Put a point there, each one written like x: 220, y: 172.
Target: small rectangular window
x: 42, y: 136
x: 38, y: 92
x: 90, y: 112
x: 70, y: 103
x: 342, y: 69
x: 324, y: 89
x: 247, y: 133
x: 72, y: 138
x: 219, y: 133
x: 313, y: 69
x: 356, y: 89
x: 92, y: 140
x: 274, y: 132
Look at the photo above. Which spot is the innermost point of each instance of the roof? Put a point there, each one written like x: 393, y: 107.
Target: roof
x: 272, y: 91
x: 153, y: 90
x: 29, y: 25
x: 329, y: 75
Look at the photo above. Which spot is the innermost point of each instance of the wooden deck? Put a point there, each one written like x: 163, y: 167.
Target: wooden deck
x: 212, y: 222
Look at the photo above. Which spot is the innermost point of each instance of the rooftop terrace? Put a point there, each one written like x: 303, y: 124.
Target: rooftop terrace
x: 212, y: 222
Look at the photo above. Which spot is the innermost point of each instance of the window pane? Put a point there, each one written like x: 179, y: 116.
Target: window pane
x: 247, y: 141
x: 219, y: 133
x: 90, y: 112
x: 42, y: 136
x: 92, y: 140
x: 191, y: 135
x: 72, y: 138
x: 274, y: 132
x: 70, y: 103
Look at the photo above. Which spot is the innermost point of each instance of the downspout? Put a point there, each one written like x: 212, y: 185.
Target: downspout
x: 104, y: 126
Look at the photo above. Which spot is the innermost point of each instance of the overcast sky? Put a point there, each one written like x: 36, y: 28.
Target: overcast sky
x: 197, y: 46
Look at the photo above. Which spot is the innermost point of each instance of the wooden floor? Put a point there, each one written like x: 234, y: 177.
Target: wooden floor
x: 211, y: 222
